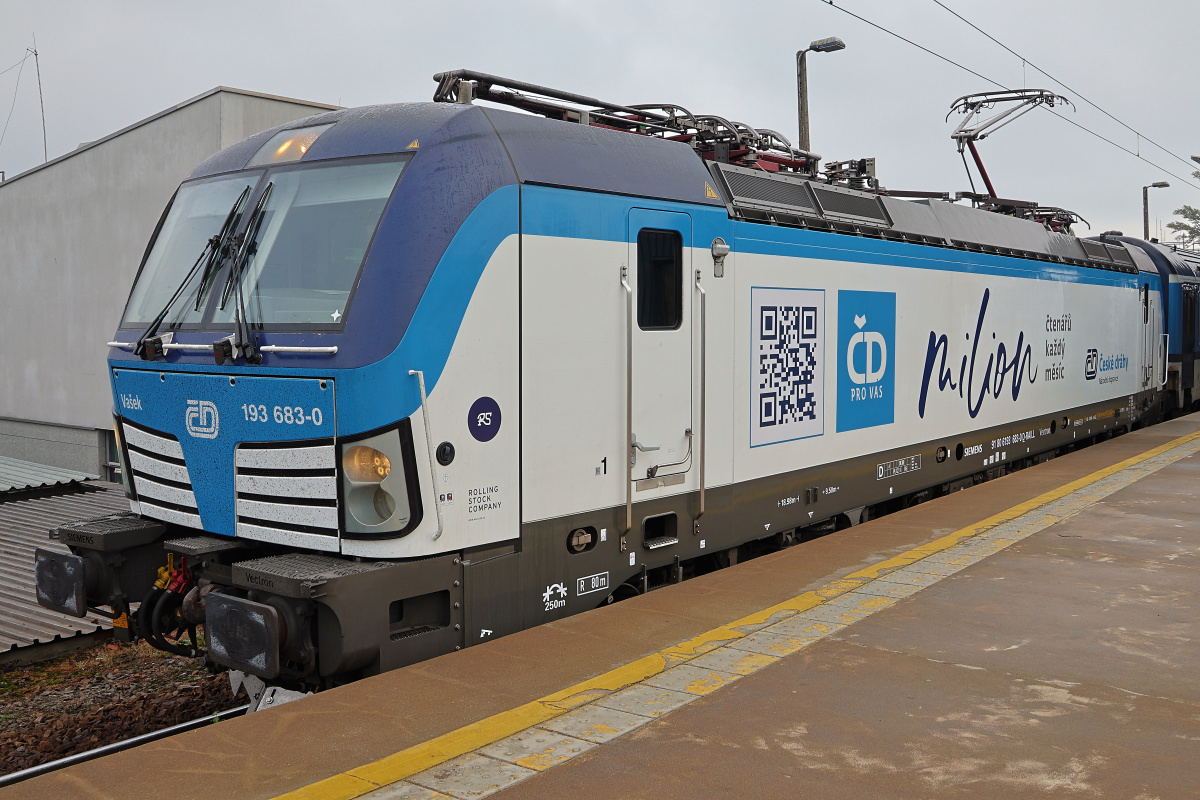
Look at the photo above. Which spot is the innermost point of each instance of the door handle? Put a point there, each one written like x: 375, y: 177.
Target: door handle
x: 645, y: 448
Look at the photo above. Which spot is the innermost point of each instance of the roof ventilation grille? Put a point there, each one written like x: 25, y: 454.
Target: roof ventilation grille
x: 841, y: 204
x: 1095, y: 250
x: 766, y: 191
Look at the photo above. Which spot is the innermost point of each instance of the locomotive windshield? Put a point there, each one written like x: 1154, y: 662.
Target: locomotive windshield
x: 306, y: 246
x: 314, y: 233
x: 197, y: 214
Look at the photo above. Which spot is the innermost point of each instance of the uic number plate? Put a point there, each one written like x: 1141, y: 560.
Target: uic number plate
x: 900, y: 466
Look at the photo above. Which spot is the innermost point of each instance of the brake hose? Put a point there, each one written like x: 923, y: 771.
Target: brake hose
x: 162, y: 643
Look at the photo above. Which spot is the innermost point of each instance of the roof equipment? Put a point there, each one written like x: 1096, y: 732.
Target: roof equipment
x: 973, y: 105
x: 713, y: 137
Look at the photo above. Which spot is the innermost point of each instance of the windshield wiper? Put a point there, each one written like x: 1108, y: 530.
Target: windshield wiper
x: 242, y: 342
x: 149, y: 345
x: 221, y: 252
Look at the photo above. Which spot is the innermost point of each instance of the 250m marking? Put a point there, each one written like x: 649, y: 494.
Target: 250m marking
x: 284, y: 415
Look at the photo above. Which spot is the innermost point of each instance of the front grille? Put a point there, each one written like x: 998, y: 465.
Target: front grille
x: 289, y: 489
x: 160, y: 477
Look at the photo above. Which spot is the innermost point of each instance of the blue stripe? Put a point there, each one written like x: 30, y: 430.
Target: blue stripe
x: 797, y: 243
x: 585, y: 215
x: 384, y: 392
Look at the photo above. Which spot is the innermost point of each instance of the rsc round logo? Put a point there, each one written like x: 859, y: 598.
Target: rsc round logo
x: 483, y: 420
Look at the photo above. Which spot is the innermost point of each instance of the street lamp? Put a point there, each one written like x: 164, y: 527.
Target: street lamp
x: 828, y: 45
x: 1196, y: 159
x: 1146, y: 205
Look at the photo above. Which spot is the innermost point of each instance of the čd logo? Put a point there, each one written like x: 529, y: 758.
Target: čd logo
x: 202, y: 420
x: 875, y: 358
x: 866, y: 373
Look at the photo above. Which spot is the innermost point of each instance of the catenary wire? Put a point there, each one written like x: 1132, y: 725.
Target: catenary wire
x: 1084, y: 128
x: 14, y: 66
x: 1075, y: 92
x: 16, y: 89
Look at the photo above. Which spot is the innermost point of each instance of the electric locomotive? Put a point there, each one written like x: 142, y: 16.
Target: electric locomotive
x: 398, y: 380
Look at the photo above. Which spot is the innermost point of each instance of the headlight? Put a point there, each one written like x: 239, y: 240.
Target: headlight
x: 366, y: 465
x: 374, y: 486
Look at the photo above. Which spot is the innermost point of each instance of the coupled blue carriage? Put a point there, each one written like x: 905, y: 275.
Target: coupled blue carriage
x: 399, y: 380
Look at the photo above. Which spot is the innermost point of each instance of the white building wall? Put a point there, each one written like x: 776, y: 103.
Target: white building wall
x: 72, y: 234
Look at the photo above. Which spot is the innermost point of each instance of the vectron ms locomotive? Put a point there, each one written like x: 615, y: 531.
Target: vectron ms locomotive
x: 398, y: 380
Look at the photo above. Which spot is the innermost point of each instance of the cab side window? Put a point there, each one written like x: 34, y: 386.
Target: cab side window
x: 659, y: 280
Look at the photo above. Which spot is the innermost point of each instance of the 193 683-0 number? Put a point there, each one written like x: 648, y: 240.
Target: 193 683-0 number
x: 284, y: 415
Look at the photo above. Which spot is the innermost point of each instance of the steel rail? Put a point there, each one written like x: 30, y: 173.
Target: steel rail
x: 116, y: 747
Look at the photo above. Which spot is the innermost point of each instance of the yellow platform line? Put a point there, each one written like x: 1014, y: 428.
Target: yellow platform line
x: 420, y: 757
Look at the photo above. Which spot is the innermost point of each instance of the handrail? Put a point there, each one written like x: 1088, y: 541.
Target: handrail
x: 429, y: 446
x: 276, y: 348
x: 629, y: 438
x: 1166, y: 358
x: 703, y: 392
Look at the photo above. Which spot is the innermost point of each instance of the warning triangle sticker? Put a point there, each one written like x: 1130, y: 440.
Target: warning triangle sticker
x: 709, y: 192
x: 415, y: 144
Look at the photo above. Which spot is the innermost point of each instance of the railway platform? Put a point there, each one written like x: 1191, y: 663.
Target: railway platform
x: 1034, y: 636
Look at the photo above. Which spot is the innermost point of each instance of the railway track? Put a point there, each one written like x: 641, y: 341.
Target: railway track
x: 116, y: 747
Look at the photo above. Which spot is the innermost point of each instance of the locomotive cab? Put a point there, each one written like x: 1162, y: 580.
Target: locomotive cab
x: 271, y: 378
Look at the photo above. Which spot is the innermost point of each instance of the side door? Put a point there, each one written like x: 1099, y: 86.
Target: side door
x: 1187, y: 343
x: 1158, y: 348
x: 660, y: 346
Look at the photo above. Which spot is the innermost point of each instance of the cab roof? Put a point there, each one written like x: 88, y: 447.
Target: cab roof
x: 541, y: 151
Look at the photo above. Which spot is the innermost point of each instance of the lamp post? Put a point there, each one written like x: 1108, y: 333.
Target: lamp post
x: 828, y: 45
x: 1146, y: 206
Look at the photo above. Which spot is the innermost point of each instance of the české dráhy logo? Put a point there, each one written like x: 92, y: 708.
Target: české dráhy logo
x: 202, y: 420
x: 1091, y: 365
x: 866, y: 373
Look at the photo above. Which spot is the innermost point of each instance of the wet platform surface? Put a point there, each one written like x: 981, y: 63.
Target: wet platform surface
x: 1066, y: 665
x: 1035, y: 636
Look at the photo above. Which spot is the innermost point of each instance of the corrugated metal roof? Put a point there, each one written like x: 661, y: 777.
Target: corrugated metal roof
x: 17, y: 475
x: 25, y: 523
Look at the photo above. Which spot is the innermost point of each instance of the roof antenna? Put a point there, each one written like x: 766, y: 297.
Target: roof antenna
x: 972, y: 105
x: 45, y: 149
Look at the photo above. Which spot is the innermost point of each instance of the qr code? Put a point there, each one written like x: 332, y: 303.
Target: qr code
x: 787, y: 364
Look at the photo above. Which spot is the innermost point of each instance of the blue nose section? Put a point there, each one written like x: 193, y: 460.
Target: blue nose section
x: 210, y: 415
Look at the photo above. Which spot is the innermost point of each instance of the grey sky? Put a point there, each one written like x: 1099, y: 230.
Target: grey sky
x: 107, y: 64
